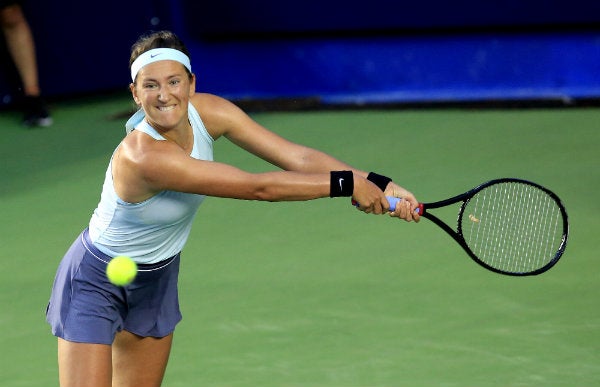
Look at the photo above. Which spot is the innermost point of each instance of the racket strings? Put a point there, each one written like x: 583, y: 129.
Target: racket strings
x: 513, y: 227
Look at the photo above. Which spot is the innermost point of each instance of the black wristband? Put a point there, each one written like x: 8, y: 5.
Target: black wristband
x: 341, y: 184
x: 379, y: 180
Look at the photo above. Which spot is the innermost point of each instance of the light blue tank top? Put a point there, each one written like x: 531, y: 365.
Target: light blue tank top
x: 157, y: 228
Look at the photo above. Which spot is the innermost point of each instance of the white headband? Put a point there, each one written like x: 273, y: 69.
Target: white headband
x: 157, y: 54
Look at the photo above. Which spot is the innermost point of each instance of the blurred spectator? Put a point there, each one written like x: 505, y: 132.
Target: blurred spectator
x: 21, y: 46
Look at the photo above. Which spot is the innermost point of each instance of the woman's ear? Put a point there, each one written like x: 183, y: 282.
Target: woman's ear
x: 134, y: 94
x: 192, y: 85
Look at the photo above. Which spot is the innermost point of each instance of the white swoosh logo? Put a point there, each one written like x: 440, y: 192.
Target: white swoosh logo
x: 341, y: 181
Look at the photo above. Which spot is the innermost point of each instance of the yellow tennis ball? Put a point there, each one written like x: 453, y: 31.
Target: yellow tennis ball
x: 121, y: 270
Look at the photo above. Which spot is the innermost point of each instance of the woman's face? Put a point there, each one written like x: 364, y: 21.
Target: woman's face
x: 163, y: 90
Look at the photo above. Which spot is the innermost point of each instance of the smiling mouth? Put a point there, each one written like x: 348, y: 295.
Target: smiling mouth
x: 166, y: 108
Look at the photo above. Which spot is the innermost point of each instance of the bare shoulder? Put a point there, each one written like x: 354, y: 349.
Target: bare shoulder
x: 209, y: 101
x: 218, y: 114
x: 144, y: 152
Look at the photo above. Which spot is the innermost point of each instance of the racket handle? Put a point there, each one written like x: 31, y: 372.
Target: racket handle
x: 393, y: 203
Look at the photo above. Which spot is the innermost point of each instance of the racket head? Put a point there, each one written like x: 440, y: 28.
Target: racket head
x: 513, y: 227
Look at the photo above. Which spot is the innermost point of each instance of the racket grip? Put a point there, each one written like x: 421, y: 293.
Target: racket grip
x: 393, y: 203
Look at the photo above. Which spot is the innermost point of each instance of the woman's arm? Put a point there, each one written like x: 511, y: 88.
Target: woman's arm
x: 143, y: 166
x: 223, y: 118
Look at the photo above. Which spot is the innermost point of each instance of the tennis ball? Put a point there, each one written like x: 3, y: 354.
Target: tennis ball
x: 121, y: 270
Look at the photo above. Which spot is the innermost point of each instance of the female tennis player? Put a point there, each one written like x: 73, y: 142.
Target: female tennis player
x: 156, y: 179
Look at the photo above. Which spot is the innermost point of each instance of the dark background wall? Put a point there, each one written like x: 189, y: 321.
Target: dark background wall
x: 338, y: 51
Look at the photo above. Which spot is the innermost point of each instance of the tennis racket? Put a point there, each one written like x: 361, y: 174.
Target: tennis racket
x: 509, y: 226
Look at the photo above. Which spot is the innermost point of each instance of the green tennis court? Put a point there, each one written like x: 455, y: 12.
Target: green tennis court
x: 317, y: 294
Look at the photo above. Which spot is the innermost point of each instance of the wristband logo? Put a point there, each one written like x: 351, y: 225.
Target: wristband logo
x: 341, y: 183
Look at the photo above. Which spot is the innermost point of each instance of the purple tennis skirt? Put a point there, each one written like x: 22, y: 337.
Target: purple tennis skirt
x: 86, y: 308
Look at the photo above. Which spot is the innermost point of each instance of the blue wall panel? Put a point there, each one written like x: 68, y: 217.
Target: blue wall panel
x: 433, y: 68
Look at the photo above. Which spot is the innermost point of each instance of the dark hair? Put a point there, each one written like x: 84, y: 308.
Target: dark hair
x: 159, y: 39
